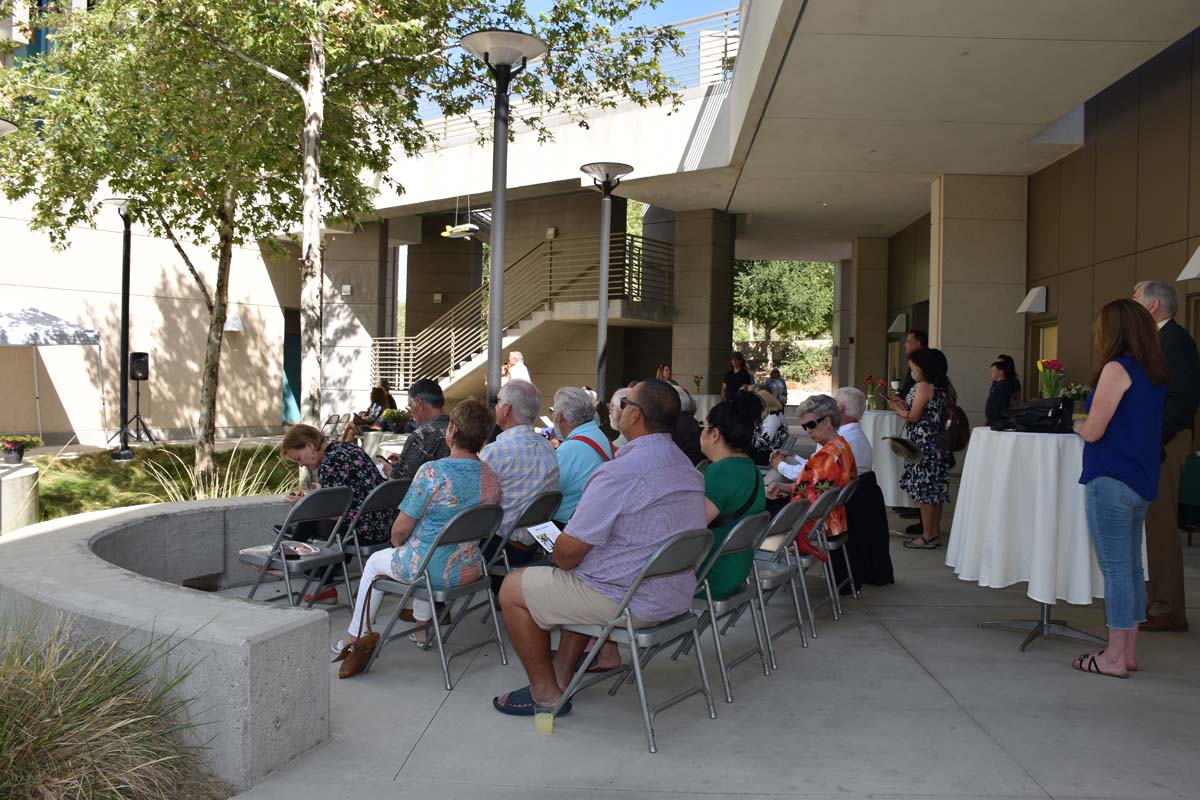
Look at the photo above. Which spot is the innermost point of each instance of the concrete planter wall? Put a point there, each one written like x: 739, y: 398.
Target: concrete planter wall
x: 260, y: 673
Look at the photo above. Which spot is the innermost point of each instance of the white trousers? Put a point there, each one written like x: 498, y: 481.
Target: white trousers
x: 380, y: 565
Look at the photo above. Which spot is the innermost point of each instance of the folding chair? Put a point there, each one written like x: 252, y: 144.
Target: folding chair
x: 387, y: 496
x: 330, y: 426
x: 833, y: 544
x: 541, y: 508
x: 683, y: 552
x: 470, y: 525
x: 746, y: 535
x: 319, y: 504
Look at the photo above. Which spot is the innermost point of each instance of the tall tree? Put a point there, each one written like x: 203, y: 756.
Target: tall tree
x: 232, y: 121
x: 792, y: 297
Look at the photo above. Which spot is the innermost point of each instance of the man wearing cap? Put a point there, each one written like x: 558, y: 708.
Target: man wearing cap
x: 737, y: 377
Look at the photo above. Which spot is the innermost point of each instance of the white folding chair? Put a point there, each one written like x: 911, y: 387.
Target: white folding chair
x: 318, y: 505
x: 683, y: 552
x: 470, y: 525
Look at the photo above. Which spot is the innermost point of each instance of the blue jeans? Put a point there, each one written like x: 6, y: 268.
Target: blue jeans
x: 1115, y: 514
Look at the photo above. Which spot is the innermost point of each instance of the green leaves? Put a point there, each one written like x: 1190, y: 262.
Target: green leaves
x: 792, y: 297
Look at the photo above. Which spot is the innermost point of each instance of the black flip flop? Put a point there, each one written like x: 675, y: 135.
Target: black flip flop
x: 519, y: 703
x: 925, y: 544
x: 1092, y: 668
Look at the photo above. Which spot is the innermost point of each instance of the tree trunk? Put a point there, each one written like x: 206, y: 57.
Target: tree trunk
x: 750, y: 331
x: 312, y: 270
x: 767, y: 339
x: 206, y: 444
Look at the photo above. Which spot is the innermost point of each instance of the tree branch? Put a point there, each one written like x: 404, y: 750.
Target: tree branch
x: 249, y: 59
x: 208, y: 301
x: 350, y: 69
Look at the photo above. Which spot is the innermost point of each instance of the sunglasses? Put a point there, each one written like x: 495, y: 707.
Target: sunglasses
x: 808, y: 426
x: 626, y: 402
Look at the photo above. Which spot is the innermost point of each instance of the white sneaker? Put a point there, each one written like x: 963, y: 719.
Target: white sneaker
x: 336, y: 649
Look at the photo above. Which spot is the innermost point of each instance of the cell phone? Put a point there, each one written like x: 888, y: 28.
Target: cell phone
x: 382, y: 458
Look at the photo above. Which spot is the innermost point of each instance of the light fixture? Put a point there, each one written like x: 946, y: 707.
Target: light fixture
x: 7, y: 127
x: 605, y: 175
x: 1034, y: 302
x: 899, y: 324
x: 233, y: 324
x: 1191, y: 270
x: 507, y: 54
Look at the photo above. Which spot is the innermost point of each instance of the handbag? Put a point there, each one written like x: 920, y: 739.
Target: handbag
x: 1045, y: 415
x: 956, y: 430
x: 354, y: 656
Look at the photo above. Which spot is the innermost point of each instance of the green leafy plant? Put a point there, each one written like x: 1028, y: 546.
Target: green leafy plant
x: 15, y: 441
x: 397, y: 419
x: 94, y: 719
x: 807, y: 363
x: 789, y: 297
x: 1075, y: 391
x: 243, y: 475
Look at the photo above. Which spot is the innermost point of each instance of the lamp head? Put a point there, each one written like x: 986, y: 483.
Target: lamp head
x: 606, y: 171
x: 119, y: 203
x: 7, y: 127
x: 504, y: 48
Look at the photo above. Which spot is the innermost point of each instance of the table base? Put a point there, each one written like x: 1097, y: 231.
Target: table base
x: 1042, y: 627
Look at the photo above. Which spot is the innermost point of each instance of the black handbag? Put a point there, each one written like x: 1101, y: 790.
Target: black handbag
x: 1046, y: 415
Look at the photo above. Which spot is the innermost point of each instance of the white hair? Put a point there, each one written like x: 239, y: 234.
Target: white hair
x: 518, y: 355
x: 574, y: 405
x: 523, y: 398
x: 1165, y: 293
x: 614, y: 405
x: 820, y: 405
x: 853, y: 402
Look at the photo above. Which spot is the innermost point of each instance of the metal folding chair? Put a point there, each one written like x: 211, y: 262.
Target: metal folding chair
x: 683, y: 552
x: 387, y: 496
x: 746, y: 535
x: 833, y: 544
x: 330, y: 426
x: 319, y: 504
x: 541, y: 508
x: 470, y: 525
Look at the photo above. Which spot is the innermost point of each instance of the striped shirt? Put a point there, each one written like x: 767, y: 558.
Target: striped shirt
x: 525, y: 462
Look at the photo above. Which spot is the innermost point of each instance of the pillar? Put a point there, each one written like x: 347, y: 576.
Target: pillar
x: 702, y: 334
x: 977, y: 276
x: 868, y: 310
x: 843, y: 331
x: 441, y: 272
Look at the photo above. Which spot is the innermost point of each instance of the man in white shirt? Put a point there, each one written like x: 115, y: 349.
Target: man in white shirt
x: 517, y: 371
x: 852, y: 403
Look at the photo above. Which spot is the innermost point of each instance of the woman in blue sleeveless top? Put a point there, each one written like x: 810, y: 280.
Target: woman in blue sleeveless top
x: 1123, y: 435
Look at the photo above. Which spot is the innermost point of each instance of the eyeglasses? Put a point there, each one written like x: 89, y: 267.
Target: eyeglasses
x: 626, y: 402
x: 808, y: 426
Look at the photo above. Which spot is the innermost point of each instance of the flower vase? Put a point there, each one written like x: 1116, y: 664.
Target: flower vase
x: 14, y: 456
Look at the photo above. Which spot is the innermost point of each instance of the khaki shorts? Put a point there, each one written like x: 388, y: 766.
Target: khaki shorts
x: 556, y: 597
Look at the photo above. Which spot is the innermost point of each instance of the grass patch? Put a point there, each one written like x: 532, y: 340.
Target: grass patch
x: 90, y: 720
x: 94, y: 482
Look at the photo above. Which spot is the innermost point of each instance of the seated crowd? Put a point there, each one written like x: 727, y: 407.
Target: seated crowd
x: 624, y: 493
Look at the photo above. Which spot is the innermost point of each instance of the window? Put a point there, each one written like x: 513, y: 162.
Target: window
x: 1047, y: 339
x: 897, y: 365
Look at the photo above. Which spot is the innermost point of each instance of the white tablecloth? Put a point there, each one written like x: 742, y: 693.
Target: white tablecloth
x: 704, y: 404
x: 1020, y: 517
x: 888, y: 466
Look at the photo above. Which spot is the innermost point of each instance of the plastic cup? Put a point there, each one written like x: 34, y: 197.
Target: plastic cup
x: 895, y: 386
x: 543, y: 720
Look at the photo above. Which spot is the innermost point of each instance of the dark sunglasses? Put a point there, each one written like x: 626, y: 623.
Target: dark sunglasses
x: 626, y: 402
x: 808, y: 426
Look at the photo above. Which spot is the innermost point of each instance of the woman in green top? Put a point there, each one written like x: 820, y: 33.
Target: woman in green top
x: 733, y: 487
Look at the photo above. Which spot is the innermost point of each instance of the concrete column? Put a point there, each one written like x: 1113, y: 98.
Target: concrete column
x: 868, y: 310
x: 441, y: 272
x: 351, y: 315
x: 843, y: 331
x: 703, y: 331
x: 977, y: 275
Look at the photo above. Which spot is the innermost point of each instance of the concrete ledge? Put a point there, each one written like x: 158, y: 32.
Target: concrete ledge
x: 260, y: 673
x: 18, y: 496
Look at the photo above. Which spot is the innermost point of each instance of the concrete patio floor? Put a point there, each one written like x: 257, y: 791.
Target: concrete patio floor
x: 905, y: 697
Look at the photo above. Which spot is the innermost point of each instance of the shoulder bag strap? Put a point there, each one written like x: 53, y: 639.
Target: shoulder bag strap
x: 728, y: 518
x: 594, y: 446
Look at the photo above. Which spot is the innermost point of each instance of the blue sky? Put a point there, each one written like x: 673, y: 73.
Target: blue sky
x: 669, y: 11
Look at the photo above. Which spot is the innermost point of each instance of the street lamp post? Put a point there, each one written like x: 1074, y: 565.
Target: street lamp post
x: 123, y: 453
x: 507, y: 54
x: 606, y: 175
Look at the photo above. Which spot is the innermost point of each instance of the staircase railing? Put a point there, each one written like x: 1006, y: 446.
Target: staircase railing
x: 566, y: 270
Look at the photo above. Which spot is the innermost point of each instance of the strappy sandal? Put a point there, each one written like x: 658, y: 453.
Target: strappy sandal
x: 921, y: 543
x: 519, y: 703
x: 1087, y: 663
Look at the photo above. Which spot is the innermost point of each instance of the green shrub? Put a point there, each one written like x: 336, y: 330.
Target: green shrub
x: 805, y: 363
x: 90, y: 720
x: 93, y: 481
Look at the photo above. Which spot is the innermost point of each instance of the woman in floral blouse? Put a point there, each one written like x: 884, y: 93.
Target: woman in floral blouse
x: 339, y: 464
x: 830, y: 468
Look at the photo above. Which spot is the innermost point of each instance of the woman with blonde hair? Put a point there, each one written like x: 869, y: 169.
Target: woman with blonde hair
x: 664, y: 374
x: 1121, y: 455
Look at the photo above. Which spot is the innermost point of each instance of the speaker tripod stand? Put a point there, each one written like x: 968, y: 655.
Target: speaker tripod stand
x: 136, y: 424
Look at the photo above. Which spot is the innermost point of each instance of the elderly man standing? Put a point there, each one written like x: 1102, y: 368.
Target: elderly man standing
x: 427, y: 443
x: 523, y: 460
x: 583, y: 447
x: 632, y: 504
x: 1164, y: 553
x: 517, y: 371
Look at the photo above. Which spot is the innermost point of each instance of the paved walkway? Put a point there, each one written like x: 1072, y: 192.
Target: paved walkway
x: 905, y: 697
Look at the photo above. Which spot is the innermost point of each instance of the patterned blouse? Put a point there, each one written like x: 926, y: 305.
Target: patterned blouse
x: 345, y: 464
x: 427, y: 443
x: 830, y: 468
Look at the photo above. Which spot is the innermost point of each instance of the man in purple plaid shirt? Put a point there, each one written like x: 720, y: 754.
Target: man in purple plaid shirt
x: 630, y: 506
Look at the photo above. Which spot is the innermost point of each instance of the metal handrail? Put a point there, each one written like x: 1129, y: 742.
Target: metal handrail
x: 559, y: 270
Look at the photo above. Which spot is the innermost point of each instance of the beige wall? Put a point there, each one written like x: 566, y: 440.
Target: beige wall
x: 703, y: 330
x: 167, y: 319
x: 868, y: 309
x: 908, y: 274
x: 1124, y: 207
x: 438, y: 265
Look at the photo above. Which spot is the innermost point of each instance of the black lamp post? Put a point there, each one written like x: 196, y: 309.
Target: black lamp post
x: 123, y: 453
x: 507, y: 54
